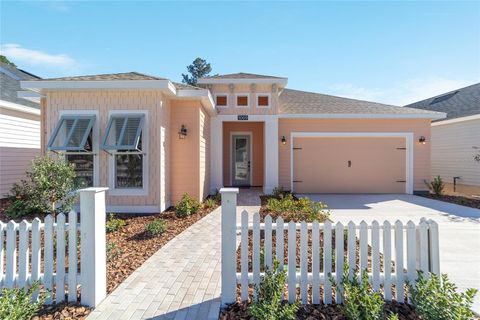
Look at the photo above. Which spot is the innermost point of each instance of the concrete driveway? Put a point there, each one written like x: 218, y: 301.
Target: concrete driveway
x: 459, y: 227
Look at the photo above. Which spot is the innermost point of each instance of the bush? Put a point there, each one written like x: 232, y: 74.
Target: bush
x: 18, y: 304
x: 210, y: 203
x: 186, y: 206
x: 268, y: 304
x: 114, y: 224
x: 217, y: 196
x: 360, y: 301
x: 436, y: 298
x: 436, y: 186
x: 279, y: 192
x: 291, y: 209
x: 156, y: 227
x: 113, y: 251
x: 48, y: 189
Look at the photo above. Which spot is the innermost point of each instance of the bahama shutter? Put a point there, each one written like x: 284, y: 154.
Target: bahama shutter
x: 71, y: 133
x: 124, y: 132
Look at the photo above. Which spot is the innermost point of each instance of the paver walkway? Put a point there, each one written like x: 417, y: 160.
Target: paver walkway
x: 181, y: 280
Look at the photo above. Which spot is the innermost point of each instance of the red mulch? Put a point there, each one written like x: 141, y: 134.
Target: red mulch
x: 464, y: 201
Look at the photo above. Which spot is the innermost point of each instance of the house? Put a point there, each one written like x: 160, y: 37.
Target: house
x: 456, y: 139
x: 150, y: 139
x: 19, y: 128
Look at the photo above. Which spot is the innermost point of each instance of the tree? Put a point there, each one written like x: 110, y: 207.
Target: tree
x: 6, y: 61
x: 198, y: 69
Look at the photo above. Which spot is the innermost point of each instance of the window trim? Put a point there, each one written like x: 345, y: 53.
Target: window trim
x: 144, y: 191
x: 246, y: 94
x: 117, y: 146
x: 222, y: 94
x: 269, y: 95
x: 59, y: 123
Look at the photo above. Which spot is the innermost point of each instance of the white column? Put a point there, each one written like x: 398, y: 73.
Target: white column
x: 92, y: 246
x: 271, y: 155
x: 229, y: 236
x: 216, y: 154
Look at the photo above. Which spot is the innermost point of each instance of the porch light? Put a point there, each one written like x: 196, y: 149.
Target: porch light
x: 183, y: 132
x: 422, y: 140
x: 284, y: 140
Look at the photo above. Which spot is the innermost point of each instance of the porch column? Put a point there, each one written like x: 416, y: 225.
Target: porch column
x: 216, y: 154
x: 271, y: 155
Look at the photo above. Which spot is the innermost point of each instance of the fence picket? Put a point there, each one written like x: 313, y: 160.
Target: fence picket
x: 279, y: 249
x: 268, y: 242
x: 23, y: 254
x: 327, y: 262
x: 411, y: 251
x: 72, y: 256
x: 48, y: 258
x: 292, y: 263
x: 36, y: 253
x: 2, y: 251
x: 363, y: 246
x: 387, y: 260
x: 244, y: 256
x: 60, y: 269
x: 303, y: 263
x: 399, y: 290
x: 375, y: 256
x: 256, y: 248
x: 352, y: 243
x: 315, y: 263
x: 434, y: 250
x: 423, y: 247
x: 11, y: 265
x: 340, y: 253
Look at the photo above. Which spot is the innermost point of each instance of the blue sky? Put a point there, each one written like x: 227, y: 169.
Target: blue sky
x: 392, y: 52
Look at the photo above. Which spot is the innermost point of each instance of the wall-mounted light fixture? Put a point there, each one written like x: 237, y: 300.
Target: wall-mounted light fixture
x: 183, y: 132
x: 284, y: 140
x: 422, y: 140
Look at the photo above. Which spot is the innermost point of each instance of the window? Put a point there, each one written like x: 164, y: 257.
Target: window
x: 221, y: 100
x: 73, y: 137
x: 242, y: 100
x: 124, y: 139
x: 263, y: 101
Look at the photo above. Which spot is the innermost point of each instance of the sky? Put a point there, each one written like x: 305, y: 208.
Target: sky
x: 390, y: 52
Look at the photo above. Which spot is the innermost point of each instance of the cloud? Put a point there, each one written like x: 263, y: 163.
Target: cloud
x: 402, y: 93
x: 30, y: 57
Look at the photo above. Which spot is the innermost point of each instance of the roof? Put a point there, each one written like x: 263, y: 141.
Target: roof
x: 10, y: 78
x: 122, y: 76
x: 302, y: 102
x: 241, y: 75
x: 457, y: 103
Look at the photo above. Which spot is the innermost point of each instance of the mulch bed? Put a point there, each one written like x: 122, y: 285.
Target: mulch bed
x: 461, y: 200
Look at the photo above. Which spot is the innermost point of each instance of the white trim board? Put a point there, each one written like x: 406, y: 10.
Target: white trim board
x: 18, y: 107
x: 282, y: 82
x: 456, y: 120
x: 433, y: 116
x: 408, y: 144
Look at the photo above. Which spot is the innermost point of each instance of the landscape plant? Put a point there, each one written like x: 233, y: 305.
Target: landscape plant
x: 114, y: 224
x: 18, y: 303
x: 291, y: 209
x: 436, y: 186
x: 155, y: 228
x: 186, y: 206
x: 210, y: 203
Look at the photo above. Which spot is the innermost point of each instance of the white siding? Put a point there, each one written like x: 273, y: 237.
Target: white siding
x: 19, y: 144
x: 453, y: 150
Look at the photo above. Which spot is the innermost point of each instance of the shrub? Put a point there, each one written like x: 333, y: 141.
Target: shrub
x: 155, y: 228
x: 291, y: 209
x: 268, y: 304
x: 279, y: 192
x: 437, y: 298
x: 113, y: 252
x: 186, y: 206
x: 217, y: 196
x: 436, y: 186
x: 48, y: 189
x: 360, y: 301
x: 114, y: 224
x: 210, y: 203
x: 18, y: 304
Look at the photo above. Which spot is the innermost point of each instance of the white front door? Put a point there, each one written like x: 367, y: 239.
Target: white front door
x: 241, y: 160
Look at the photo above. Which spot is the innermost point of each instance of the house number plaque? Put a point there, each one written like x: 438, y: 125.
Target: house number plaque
x: 242, y: 117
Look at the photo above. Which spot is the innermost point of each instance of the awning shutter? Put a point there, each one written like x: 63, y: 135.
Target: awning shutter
x: 124, y: 132
x: 71, y: 133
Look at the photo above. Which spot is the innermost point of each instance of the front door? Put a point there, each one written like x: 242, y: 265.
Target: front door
x: 241, y: 160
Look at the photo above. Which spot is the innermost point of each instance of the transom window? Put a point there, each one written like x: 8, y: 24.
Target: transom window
x: 242, y: 100
x: 221, y: 100
x: 263, y: 100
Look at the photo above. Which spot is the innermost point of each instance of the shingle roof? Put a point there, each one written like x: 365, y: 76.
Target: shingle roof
x: 302, y: 102
x: 122, y: 76
x: 458, y: 103
x: 10, y: 78
x: 241, y: 75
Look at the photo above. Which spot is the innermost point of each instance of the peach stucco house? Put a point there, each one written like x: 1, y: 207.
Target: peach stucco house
x: 150, y: 140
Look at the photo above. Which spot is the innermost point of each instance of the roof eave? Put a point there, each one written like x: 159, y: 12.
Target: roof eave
x: 282, y: 82
x: 205, y: 98
x: 431, y: 116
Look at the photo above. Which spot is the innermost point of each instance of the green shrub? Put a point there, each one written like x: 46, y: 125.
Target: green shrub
x: 113, y: 251
x: 155, y: 228
x: 268, y: 304
x: 217, y: 196
x: 48, y: 189
x: 436, y: 186
x: 279, y: 192
x: 114, y: 224
x: 291, y: 209
x: 210, y: 203
x: 360, y: 301
x: 436, y: 298
x: 18, y: 304
x: 186, y: 206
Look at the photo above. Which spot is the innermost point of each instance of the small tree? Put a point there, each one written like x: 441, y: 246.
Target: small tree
x: 48, y: 189
x: 436, y: 186
x: 198, y: 69
x: 5, y: 60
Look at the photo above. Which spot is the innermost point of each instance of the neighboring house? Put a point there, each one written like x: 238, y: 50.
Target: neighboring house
x: 150, y: 140
x: 456, y: 139
x: 19, y: 128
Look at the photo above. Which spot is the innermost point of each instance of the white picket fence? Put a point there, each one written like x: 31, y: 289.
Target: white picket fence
x: 48, y: 252
x: 409, y: 246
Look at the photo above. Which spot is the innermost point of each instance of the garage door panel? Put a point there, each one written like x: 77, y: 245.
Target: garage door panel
x: 349, y: 165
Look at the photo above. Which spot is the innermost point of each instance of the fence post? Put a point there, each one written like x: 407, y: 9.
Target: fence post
x: 433, y: 247
x: 92, y: 246
x: 229, y: 236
